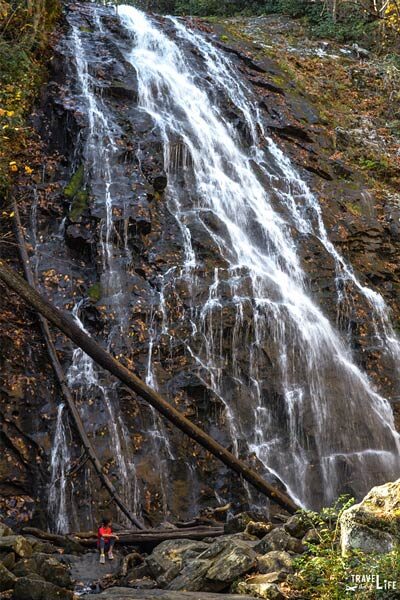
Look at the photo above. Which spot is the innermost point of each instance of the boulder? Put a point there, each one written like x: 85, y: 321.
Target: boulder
x: 296, y: 546
x: 311, y: 537
x: 25, y: 567
x: 142, y: 584
x: 258, y: 529
x: 8, y: 560
x: 17, y: 544
x: 260, y: 586
x: 238, y: 523
x: 235, y: 560
x: 29, y: 588
x: 136, y: 573
x: 295, y: 526
x: 277, y: 539
x: 192, y: 578
x: 55, y: 572
x: 169, y: 558
x: 7, y: 579
x: 5, y: 530
x: 275, y: 561
x: 217, y: 567
x: 373, y: 525
x: 41, y: 546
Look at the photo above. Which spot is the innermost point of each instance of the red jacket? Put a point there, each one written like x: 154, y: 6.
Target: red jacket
x: 103, y: 531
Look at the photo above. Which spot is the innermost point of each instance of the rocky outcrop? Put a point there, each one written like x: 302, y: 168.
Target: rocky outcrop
x: 121, y: 593
x: 17, y: 544
x: 33, y: 588
x: 374, y: 524
x: 171, y: 557
x: 234, y: 562
x: 275, y: 562
x: 28, y: 572
x: 262, y: 586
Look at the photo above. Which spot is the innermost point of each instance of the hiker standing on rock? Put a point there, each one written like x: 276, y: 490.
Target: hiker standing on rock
x: 106, y: 540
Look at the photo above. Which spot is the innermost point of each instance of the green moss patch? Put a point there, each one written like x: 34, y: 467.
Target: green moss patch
x: 75, y: 183
x: 354, y: 209
x: 95, y: 292
x: 76, y: 191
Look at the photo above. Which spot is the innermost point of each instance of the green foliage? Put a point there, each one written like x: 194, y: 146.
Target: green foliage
x: 324, y: 574
x: 351, y: 23
x: 24, y: 33
x: 205, y: 8
x: 75, y: 190
x: 75, y: 183
x: 95, y: 292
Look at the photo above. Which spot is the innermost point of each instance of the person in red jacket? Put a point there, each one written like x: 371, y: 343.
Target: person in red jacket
x: 106, y: 540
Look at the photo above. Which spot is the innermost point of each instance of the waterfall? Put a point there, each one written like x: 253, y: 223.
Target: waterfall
x: 100, y: 150
x: 83, y: 377
x: 60, y: 462
x: 325, y: 424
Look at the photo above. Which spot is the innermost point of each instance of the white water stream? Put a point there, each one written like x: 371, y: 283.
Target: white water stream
x: 326, y: 409
x: 58, y: 490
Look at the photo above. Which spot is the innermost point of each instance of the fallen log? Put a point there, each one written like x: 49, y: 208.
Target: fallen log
x: 67, y: 325
x: 144, y: 536
x: 63, y: 541
x: 60, y: 376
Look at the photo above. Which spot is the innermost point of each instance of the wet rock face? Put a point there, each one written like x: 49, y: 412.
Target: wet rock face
x: 121, y: 263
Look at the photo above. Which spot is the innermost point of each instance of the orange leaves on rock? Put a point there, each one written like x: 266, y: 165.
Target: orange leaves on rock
x: 51, y: 278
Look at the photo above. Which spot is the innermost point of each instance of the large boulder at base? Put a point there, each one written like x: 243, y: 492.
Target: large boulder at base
x: 55, y: 572
x: 374, y: 524
x: 217, y: 567
x: 275, y: 561
x: 170, y: 557
x: 17, y: 544
x: 296, y: 526
x: 28, y: 588
x: 234, y: 561
x: 7, y: 579
x: 278, y: 539
x: 260, y: 586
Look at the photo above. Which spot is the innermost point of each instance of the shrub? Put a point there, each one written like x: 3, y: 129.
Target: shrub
x: 323, y: 574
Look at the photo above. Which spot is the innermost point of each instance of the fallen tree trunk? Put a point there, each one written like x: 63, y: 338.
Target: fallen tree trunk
x: 60, y: 376
x: 67, y: 325
x: 145, y: 536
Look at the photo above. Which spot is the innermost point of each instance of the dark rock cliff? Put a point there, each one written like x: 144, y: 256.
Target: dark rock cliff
x: 64, y: 218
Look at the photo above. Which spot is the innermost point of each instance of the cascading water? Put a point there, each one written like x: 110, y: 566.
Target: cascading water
x: 210, y: 300
x: 83, y: 377
x: 325, y: 423
x: 58, y: 500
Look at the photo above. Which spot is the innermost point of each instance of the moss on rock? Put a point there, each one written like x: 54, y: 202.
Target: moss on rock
x: 75, y: 184
x: 95, y: 292
x: 76, y: 191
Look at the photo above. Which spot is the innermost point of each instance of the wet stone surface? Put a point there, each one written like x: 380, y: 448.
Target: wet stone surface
x: 112, y: 250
